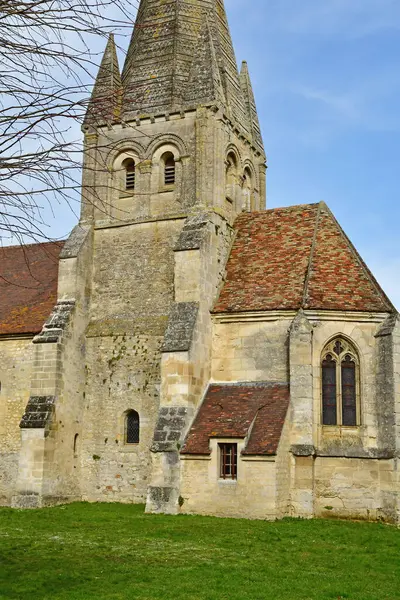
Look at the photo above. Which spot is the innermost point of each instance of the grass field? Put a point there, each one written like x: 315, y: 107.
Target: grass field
x: 116, y: 552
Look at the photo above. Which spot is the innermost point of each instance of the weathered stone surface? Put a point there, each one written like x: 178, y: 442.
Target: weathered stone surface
x: 74, y: 242
x: 56, y: 323
x: 179, y: 334
x: 170, y: 428
x: 302, y: 450
x: 193, y: 233
x: 38, y: 412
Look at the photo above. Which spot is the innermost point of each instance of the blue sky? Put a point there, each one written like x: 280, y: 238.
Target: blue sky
x: 326, y: 75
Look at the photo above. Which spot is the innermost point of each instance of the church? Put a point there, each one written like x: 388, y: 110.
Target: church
x: 186, y: 347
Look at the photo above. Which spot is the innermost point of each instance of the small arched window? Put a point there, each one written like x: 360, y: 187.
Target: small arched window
x: 129, y: 167
x: 132, y: 427
x: 340, y: 384
x: 169, y: 168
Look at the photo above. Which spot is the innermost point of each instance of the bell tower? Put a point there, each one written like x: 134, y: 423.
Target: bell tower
x: 173, y: 153
x: 180, y: 96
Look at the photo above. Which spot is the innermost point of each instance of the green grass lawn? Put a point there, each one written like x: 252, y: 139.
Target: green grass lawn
x: 113, y: 551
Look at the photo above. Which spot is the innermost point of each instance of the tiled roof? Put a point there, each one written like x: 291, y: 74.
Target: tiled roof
x: 297, y: 257
x: 28, y: 286
x: 257, y: 410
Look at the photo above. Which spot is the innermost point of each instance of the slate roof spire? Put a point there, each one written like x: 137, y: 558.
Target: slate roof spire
x: 105, y: 103
x: 181, y: 54
x: 250, y: 102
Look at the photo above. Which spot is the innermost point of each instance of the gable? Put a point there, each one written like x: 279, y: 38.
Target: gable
x: 297, y: 257
x: 28, y: 286
x: 255, y: 411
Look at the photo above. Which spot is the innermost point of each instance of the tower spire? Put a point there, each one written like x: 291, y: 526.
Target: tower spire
x: 105, y: 102
x: 181, y: 53
x: 250, y: 102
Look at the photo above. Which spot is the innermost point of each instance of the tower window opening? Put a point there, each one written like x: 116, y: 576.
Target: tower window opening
x: 169, y: 169
x: 76, y: 445
x: 132, y: 427
x: 228, y: 461
x: 130, y: 173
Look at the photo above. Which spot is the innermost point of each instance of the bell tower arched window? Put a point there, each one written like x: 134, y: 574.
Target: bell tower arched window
x: 340, y: 384
x: 129, y: 167
x: 169, y: 168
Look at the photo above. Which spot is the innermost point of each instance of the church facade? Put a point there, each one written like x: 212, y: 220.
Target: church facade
x: 186, y: 347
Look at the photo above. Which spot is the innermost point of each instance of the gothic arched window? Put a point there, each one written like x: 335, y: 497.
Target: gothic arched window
x: 132, y: 427
x: 169, y: 168
x: 340, y: 384
x: 129, y: 167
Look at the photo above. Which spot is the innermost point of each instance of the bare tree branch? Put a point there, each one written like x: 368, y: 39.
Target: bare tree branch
x: 49, y: 57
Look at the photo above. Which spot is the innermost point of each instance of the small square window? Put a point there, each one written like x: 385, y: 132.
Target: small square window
x: 228, y: 461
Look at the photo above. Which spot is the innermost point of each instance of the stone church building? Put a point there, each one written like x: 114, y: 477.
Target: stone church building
x: 185, y: 347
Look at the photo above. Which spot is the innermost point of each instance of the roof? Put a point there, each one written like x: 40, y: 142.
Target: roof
x: 28, y: 286
x: 253, y: 410
x: 297, y: 257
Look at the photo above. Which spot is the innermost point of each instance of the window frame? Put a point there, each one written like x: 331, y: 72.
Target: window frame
x: 129, y: 175
x: 228, y: 461
x: 337, y: 351
x: 128, y: 415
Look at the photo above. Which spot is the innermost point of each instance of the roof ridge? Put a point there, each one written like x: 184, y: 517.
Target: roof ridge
x: 359, y: 259
x: 311, y: 257
x: 292, y: 207
x: 32, y: 244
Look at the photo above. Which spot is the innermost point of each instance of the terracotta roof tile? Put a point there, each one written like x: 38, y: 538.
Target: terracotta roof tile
x: 288, y: 258
x: 28, y: 286
x: 239, y: 410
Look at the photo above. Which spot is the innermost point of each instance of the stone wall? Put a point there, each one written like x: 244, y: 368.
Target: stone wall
x: 15, y: 373
x: 354, y: 488
x: 132, y: 297
x: 283, y: 472
x: 252, y: 495
x: 250, y: 351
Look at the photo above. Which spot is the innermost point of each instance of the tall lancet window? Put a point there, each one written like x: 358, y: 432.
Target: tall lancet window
x: 230, y: 177
x: 246, y: 190
x: 129, y: 167
x: 340, y: 384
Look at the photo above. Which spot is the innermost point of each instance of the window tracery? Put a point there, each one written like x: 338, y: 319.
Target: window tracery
x: 340, y: 384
